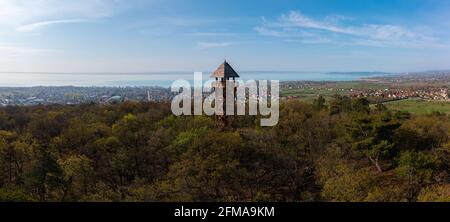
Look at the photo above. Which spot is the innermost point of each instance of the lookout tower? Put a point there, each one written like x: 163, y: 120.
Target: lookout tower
x: 225, y: 77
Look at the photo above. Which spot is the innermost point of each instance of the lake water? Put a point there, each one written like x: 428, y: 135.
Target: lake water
x: 158, y: 79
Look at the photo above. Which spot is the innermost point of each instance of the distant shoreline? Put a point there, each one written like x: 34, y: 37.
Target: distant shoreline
x: 163, y: 79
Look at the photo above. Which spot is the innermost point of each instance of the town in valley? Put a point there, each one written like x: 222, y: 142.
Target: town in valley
x: 427, y: 89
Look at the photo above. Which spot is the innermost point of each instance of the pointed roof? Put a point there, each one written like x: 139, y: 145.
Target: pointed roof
x: 225, y: 71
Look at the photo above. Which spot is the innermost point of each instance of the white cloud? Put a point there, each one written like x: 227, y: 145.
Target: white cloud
x: 268, y: 32
x: 337, y: 18
x: 297, y: 19
x: 319, y: 40
x: 295, y: 24
x: 214, y: 34
x: 40, y: 25
x: 206, y: 45
x: 16, y: 13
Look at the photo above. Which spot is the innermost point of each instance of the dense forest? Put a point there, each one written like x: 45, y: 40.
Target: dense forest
x: 338, y: 150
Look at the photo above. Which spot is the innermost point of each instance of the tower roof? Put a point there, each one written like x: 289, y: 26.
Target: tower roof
x: 225, y: 71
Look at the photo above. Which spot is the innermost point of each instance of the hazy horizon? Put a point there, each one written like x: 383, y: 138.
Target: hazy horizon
x: 171, y: 72
x: 162, y: 79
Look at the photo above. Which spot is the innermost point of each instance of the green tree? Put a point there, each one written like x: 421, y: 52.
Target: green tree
x: 47, y: 179
x: 372, y: 136
x: 78, y: 172
x: 339, y: 104
x: 350, y: 185
x: 416, y: 170
x: 319, y: 103
x: 437, y: 193
x: 361, y: 105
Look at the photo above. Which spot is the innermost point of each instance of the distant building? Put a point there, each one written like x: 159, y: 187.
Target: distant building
x: 115, y: 99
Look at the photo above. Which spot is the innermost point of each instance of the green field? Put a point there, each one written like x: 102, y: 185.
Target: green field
x: 308, y: 94
x: 415, y: 106
x: 419, y: 106
x: 342, y: 88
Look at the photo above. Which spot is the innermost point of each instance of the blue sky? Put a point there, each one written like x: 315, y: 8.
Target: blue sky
x: 195, y: 35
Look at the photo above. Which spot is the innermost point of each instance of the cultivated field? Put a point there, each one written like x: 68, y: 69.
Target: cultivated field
x: 419, y: 106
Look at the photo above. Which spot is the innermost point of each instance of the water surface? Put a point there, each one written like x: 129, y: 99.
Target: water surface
x: 158, y: 79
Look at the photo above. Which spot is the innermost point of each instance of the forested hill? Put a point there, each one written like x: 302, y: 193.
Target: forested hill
x: 337, y: 150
